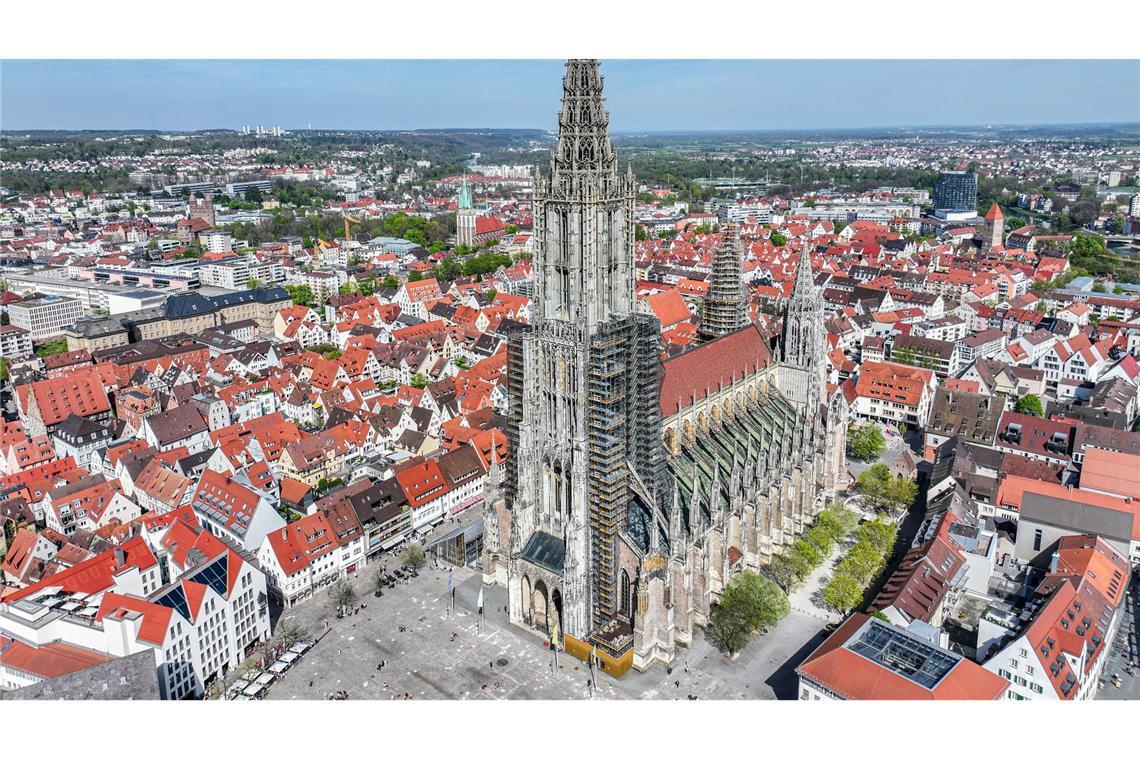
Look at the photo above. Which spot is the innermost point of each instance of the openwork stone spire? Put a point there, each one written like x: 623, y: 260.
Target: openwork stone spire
x: 723, y: 310
x: 583, y: 125
x: 803, y: 323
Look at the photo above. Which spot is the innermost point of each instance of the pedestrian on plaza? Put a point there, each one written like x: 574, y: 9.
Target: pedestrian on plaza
x: 492, y: 664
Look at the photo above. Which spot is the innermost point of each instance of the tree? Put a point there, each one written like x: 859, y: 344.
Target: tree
x: 302, y: 295
x: 641, y: 234
x: 416, y: 236
x: 777, y: 238
x: 419, y: 381
x: 252, y: 283
x: 390, y: 282
x: 810, y: 554
x: 729, y: 625
x: 843, y: 593
x: 749, y: 603
x: 4, y: 374
x: 342, y: 593
x: 462, y: 363
x: 415, y: 275
x: 879, y: 533
x: 378, y: 582
x: 253, y: 195
x: 862, y: 562
x: 866, y: 442
x: 413, y: 556
x: 1030, y: 403
x: 289, y: 633
x: 769, y: 603
x: 448, y: 269
x: 837, y: 520
x: 883, y: 491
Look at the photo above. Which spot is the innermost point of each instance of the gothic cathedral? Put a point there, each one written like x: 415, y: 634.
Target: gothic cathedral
x: 634, y: 487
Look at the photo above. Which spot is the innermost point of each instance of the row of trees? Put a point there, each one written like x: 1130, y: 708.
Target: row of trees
x: 907, y: 355
x: 845, y: 590
x: 473, y: 266
x: 885, y: 492
x: 792, y: 567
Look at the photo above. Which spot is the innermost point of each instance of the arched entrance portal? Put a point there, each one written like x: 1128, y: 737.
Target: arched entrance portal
x: 556, y: 601
x: 540, y: 605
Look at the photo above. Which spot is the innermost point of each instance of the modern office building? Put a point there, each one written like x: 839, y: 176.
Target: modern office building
x: 955, y: 195
x: 45, y: 317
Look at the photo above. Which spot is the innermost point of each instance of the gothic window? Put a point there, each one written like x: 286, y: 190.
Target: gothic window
x: 626, y: 593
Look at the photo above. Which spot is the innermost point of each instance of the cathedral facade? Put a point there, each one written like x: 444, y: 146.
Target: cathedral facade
x: 635, y: 488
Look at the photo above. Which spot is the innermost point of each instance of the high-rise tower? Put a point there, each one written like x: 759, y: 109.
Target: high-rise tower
x: 723, y: 309
x: 583, y: 381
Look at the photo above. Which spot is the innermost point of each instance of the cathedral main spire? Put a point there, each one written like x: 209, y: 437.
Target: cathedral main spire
x: 584, y: 213
x: 584, y: 145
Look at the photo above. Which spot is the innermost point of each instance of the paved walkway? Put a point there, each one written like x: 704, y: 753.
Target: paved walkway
x: 453, y: 654
x: 803, y: 597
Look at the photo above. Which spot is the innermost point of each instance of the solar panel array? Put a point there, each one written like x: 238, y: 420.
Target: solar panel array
x: 214, y: 574
x: 176, y: 600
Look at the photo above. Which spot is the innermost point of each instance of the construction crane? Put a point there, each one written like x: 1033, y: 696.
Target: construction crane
x: 348, y: 219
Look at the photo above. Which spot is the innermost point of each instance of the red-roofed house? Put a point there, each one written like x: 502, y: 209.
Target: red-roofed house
x: 1061, y: 653
x: 868, y: 659
x: 300, y: 558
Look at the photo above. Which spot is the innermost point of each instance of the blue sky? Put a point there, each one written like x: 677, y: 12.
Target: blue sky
x: 642, y: 95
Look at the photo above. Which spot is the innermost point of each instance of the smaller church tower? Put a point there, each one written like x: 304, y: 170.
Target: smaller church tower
x: 723, y: 310
x: 465, y: 216
x: 993, y: 228
x: 804, y: 341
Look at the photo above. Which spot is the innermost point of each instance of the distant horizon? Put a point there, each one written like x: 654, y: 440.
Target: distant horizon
x: 618, y: 132
x: 643, y: 96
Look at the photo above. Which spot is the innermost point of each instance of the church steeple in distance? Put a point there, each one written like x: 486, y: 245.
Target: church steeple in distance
x: 465, y: 200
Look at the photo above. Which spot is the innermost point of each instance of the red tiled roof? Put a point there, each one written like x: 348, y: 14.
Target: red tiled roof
x: 703, y: 370
x: 49, y: 660
x: 422, y: 483
x: 155, y: 617
x: 299, y: 543
x: 80, y: 392
x: 1116, y: 472
x: 669, y: 307
x: 854, y: 676
x: 96, y: 574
